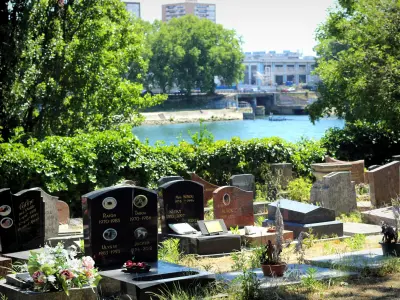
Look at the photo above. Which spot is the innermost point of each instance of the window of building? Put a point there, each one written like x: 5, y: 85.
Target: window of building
x: 279, y: 79
x: 302, y: 78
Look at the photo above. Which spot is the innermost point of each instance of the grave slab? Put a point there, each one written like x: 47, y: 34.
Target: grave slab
x: 162, y: 276
x: 357, y: 168
x: 268, y: 282
x: 303, y: 213
x: 244, y: 182
x: 234, y: 206
x: 351, y: 229
x: 318, y: 229
x: 262, y: 237
x: 284, y: 173
x: 376, y: 216
x: 372, y: 258
x: 209, y: 188
x: 207, y: 245
x: 322, y: 169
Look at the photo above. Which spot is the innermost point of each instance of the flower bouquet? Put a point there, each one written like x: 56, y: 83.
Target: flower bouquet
x: 133, y: 267
x: 56, y: 269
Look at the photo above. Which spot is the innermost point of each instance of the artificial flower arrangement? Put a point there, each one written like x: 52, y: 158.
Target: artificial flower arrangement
x: 136, y: 267
x: 56, y: 269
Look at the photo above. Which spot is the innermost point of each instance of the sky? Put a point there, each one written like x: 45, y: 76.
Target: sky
x: 264, y: 25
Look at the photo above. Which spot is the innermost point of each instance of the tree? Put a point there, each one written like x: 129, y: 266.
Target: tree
x: 189, y: 52
x: 359, y: 49
x: 70, y: 61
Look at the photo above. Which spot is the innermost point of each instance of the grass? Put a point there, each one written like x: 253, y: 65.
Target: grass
x: 353, y: 217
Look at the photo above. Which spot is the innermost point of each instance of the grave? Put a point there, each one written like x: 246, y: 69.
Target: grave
x: 359, y: 260
x: 376, y: 216
x: 50, y: 216
x: 63, y: 212
x: 22, y: 220
x: 322, y: 169
x: 214, y: 238
x: 351, y: 229
x: 166, y: 179
x: 384, y: 184
x: 298, y: 217
x: 261, y: 236
x: 209, y: 188
x: 244, y: 182
x: 335, y: 191
x: 234, y: 206
x: 181, y: 201
x: 284, y: 172
x: 357, y: 168
x: 120, y: 223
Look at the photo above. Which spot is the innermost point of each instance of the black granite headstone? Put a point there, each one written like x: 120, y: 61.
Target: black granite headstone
x: 303, y: 213
x: 29, y: 219
x: 165, y: 179
x: 8, y: 230
x: 245, y: 182
x: 181, y: 202
x: 120, y: 224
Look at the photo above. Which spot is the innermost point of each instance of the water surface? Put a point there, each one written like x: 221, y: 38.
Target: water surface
x: 291, y: 130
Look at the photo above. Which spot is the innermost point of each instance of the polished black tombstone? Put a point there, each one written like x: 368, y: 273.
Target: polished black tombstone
x: 181, y: 202
x: 120, y: 224
x: 8, y: 230
x: 29, y: 219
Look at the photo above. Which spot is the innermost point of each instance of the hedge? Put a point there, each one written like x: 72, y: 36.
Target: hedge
x: 69, y: 167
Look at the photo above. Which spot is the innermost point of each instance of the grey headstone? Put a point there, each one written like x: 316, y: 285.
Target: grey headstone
x: 243, y: 181
x: 335, y: 191
x: 360, y: 228
x: 370, y: 168
x: 303, y: 213
x: 166, y: 179
x: 284, y: 172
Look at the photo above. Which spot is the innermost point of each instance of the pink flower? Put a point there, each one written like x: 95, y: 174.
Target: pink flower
x: 39, y: 277
x: 88, y: 262
x: 129, y: 264
x: 67, y: 274
x: 140, y: 265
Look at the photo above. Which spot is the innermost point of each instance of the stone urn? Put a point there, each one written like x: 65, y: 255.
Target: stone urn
x: 274, y: 270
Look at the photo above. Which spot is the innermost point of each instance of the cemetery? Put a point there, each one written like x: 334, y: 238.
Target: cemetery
x: 142, y: 243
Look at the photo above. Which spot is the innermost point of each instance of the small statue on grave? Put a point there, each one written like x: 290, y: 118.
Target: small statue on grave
x: 390, y: 234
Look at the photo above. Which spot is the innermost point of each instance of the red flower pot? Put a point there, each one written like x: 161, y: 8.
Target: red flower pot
x: 273, y: 270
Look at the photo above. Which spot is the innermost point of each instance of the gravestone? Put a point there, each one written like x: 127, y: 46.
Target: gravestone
x: 284, y: 173
x: 181, y: 202
x: 8, y: 231
x: 234, y: 206
x: 384, y: 183
x: 299, y: 217
x: 120, y: 223
x: 166, y: 179
x: 357, y: 168
x: 50, y: 214
x: 322, y: 169
x: 335, y: 191
x: 209, y: 188
x: 244, y: 182
x: 63, y: 212
x: 29, y: 219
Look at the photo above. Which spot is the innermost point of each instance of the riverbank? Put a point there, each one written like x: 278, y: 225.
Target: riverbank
x: 193, y: 116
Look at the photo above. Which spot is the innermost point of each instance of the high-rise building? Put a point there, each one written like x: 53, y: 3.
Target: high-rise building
x: 132, y: 7
x: 190, y: 7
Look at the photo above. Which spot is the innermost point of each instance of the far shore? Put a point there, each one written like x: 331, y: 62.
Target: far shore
x: 193, y: 116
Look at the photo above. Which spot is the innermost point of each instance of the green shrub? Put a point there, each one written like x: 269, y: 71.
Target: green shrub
x: 371, y: 142
x: 299, y: 189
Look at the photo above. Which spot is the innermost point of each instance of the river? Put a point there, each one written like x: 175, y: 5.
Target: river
x: 292, y: 129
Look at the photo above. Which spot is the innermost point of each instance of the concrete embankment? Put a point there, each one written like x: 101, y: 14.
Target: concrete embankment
x: 193, y: 116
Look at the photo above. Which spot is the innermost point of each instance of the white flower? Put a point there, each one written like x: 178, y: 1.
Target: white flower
x: 75, y: 264
x: 88, y: 262
x: 51, y: 278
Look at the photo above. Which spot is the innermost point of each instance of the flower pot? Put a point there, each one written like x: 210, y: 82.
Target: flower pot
x: 271, y: 229
x: 273, y: 270
x: 392, y: 249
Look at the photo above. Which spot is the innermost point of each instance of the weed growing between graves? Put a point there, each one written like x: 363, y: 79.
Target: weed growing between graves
x: 390, y: 266
x: 299, y: 189
x: 309, y: 282
x: 259, y: 221
x: 356, y: 242
x: 169, y: 251
x: 3, y: 297
x: 353, y: 217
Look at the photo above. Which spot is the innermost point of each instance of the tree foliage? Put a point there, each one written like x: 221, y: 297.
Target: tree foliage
x: 359, y: 62
x: 188, y: 52
x: 64, y: 66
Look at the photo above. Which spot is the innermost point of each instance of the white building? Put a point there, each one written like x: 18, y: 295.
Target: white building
x: 270, y: 68
x: 190, y: 7
x: 133, y: 7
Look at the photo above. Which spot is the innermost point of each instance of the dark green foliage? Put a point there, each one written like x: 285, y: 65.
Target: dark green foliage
x: 372, y: 142
x: 71, y: 166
